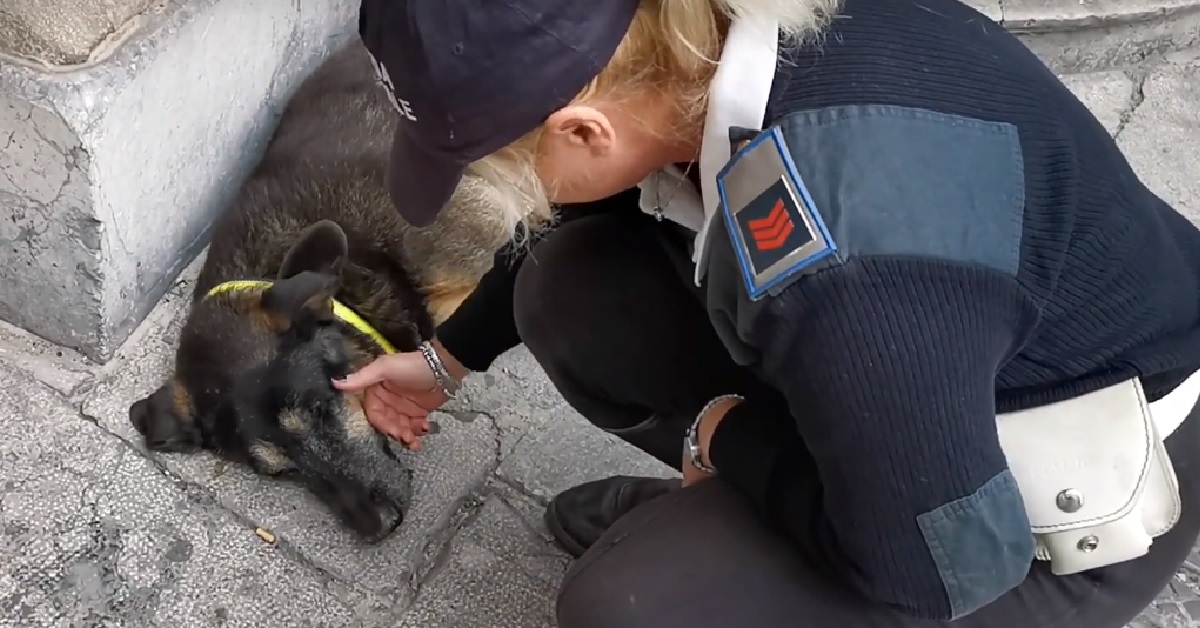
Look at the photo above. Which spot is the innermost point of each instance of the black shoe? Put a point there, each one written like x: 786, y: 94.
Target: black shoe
x: 578, y: 516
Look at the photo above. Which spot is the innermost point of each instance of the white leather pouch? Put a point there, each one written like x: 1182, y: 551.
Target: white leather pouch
x: 1096, y: 479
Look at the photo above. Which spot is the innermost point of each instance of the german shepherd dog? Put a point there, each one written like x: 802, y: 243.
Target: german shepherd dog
x: 325, y: 277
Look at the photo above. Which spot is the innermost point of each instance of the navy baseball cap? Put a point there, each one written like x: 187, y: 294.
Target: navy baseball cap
x: 469, y: 77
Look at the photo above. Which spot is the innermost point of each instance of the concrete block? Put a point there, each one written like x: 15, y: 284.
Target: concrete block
x: 95, y: 535
x: 498, y: 571
x: 452, y: 465
x: 66, y: 32
x: 1048, y: 14
x: 1093, y: 43
x: 991, y: 8
x: 1089, y: 35
x: 1108, y: 95
x: 62, y: 369
x: 1162, y: 137
x: 112, y: 167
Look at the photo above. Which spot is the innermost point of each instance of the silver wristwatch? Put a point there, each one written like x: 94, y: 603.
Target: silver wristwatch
x: 691, y: 442
x: 445, y: 382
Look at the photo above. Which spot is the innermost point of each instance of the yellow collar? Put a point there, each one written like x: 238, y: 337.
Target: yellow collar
x: 344, y: 313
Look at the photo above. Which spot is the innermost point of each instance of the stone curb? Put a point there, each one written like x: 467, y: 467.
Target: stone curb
x: 1087, y: 35
x: 1075, y: 16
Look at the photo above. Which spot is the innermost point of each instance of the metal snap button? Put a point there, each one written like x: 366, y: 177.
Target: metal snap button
x: 1069, y: 500
x: 1088, y: 543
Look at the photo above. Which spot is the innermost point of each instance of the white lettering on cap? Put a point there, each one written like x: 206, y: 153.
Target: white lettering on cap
x: 401, y: 105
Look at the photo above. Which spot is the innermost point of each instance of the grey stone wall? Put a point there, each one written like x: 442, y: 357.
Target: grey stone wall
x: 112, y: 169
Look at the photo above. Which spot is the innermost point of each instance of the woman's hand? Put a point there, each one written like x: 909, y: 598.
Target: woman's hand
x: 399, y: 392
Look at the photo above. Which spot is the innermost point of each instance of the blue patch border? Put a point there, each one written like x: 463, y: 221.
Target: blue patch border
x: 773, y: 134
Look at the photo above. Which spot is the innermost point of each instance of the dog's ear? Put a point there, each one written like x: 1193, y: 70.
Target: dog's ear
x: 301, y: 299
x: 321, y: 248
x: 166, y: 420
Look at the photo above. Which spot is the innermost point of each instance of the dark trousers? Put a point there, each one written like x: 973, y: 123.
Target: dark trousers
x: 607, y: 307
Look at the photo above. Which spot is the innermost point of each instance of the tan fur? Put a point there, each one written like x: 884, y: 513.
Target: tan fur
x: 357, y: 426
x: 448, y: 258
x: 271, y: 459
x: 444, y: 296
x: 181, y: 400
x: 293, y: 421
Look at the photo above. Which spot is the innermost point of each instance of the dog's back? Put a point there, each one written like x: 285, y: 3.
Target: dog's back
x: 328, y: 160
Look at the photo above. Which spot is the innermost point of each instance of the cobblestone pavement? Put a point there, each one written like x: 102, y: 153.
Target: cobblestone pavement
x: 95, y: 533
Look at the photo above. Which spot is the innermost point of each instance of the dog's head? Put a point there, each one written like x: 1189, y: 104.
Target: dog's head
x: 253, y: 380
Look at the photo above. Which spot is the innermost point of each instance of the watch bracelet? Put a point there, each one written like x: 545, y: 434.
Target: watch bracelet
x: 445, y: 382
x: 693, y: 433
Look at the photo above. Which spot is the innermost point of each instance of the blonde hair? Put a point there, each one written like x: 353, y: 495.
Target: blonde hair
x: 671, y: 45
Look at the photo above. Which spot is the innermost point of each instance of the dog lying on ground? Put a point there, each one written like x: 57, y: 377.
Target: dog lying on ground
x: 310, y: 275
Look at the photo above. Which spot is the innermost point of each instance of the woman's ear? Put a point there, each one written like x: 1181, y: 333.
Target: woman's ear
x: 580, y: 126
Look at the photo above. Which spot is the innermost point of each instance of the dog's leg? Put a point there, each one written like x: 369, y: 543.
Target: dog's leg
x: 268, y: 459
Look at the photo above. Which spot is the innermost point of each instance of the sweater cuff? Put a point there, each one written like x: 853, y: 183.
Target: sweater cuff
x: 750, y: 444
x: 484, y: 326
x: 473, y: 344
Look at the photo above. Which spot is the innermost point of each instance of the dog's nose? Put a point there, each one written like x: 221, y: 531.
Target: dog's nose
x: 391, y: 515
x: 139, y: 414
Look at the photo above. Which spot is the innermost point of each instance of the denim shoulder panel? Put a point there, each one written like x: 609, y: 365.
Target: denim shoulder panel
x: 981, y: 544
x: 895, y: 181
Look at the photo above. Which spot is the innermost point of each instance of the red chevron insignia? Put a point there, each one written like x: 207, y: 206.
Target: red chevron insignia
x: 772, y: 231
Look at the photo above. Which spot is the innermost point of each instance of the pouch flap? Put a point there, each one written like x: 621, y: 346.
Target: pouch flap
x: 1081, y: 462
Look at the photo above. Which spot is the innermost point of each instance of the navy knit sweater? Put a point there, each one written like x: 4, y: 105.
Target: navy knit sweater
x: 910, y: 358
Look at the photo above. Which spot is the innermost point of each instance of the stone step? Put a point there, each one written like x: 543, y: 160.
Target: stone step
x: 127, y: 124
x: 1088, y: 35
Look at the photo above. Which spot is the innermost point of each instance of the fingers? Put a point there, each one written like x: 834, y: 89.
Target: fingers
x: 401, y: 432
x: 403, y: 371
x: 367, y: 376
x: 396, y: 416
x: 411, y: 432
x: 399, y: 402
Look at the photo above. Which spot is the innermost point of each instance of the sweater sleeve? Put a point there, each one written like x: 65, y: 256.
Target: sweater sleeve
x: 887, y: 467
x: 484, y: 327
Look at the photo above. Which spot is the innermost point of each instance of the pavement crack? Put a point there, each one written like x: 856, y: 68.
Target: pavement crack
x: 497, y: 436
x: 437, y: 551
x: 524, y: 491
x: 1137, y: 96
x: 505, y: 495
x: 500, y: 454
x: 435, y: 554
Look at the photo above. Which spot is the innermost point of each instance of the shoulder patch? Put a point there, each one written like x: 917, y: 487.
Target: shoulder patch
x: 904, y: 182
x: 776, y: 231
